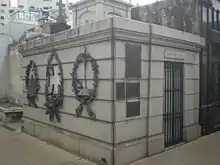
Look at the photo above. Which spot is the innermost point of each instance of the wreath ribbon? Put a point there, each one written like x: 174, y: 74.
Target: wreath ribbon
x: 79, y: 110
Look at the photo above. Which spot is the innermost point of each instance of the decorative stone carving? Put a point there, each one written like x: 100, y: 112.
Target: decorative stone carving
x: 54, y: 89
x: 32, y: 83
x: 84, y: 95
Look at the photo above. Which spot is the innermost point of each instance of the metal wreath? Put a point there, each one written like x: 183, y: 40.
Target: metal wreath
x: 32, y: 84
x: 83, y: 95
x: 54, y: 101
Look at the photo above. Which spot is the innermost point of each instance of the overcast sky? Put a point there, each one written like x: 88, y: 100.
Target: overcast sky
x: 141, y: 2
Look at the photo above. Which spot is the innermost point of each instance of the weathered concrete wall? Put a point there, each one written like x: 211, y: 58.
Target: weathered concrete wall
x: 114, y: 135
x: 15, y: 75
x: 13, y: 30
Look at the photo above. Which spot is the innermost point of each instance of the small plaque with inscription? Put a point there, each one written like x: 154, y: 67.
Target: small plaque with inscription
x: 174, y: 55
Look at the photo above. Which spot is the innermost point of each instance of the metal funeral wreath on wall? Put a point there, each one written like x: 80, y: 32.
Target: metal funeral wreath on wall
x: 54, y: 89
x: 32, y: 83
x: 84, y: 95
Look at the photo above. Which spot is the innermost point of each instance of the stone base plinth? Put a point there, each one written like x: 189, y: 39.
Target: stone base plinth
x: 191, y: 132
x: 79, y: 145
x: 155, y: 144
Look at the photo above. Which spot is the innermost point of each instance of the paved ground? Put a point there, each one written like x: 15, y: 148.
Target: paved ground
x: 17, y: 148
x: 205, y: 151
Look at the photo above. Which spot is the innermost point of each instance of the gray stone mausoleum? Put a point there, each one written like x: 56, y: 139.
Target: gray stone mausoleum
x: 114, y: 90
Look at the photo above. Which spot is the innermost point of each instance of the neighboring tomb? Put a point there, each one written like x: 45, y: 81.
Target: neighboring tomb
x: 87, y: 11
x: 178, y: 14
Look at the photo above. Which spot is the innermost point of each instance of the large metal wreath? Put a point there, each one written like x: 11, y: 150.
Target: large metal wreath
x: 83, y: 95
x: 32, y: 84
x: 54, y: 101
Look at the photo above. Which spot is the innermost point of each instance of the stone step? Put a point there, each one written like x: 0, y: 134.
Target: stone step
x: 10, y: 113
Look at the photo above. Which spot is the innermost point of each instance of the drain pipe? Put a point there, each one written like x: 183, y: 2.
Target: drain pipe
x: 149, y: 87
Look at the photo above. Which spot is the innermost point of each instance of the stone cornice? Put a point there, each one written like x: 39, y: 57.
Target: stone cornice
x: 124, y: 29
x: 70, y: 42
x: 68, y: 35
x: 175, y: 43
x: 133, y: 36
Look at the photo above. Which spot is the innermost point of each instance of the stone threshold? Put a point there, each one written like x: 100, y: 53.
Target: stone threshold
x: 174, y: 146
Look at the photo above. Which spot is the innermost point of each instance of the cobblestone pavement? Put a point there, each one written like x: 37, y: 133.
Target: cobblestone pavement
x: 204, y: 151
x: 17, y: 148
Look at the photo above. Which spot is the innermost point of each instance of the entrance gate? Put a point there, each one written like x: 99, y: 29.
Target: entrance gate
x: 210, y: 92
x: 209, y: 111
x: 173, y: 103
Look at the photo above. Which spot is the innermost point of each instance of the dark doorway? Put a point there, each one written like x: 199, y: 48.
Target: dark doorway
x: 210, y: 91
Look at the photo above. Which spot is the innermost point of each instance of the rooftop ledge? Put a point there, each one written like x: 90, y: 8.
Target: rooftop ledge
x: 116, y: 23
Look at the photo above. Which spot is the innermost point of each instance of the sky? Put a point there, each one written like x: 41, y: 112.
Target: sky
x: 140, y: 2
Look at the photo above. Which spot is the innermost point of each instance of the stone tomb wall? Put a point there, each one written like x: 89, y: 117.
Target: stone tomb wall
x: 129, y: 100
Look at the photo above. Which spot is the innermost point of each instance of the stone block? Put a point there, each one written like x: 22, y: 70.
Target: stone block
x: 130, y: 130
x: 64, y: 140
x: 130, y: 151
x: 191, y: 132
x: 189, y: 101
x: 189, y: 86
x: 120, y: 68
x: 155, y: 144
x: 144, y: 69
x: 155, y: 125
x: 95, y: 151
x: 28, y: 126
x: 157, y: 53
x: 156, y: 106
x: 143, y: 89
x: 191, y: 71
x: 156, y: 87
x: 157, y: 70
x: 191, y: 117
x: 41, y: 131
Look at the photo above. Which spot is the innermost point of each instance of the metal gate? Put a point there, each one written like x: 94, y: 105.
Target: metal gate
x: 209, y: 111
x: 173, y: 103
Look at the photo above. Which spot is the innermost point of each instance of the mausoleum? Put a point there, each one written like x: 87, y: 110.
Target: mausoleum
x: 117, y: 90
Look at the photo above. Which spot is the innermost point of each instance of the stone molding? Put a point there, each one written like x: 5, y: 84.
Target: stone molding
x: 139, y: 31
